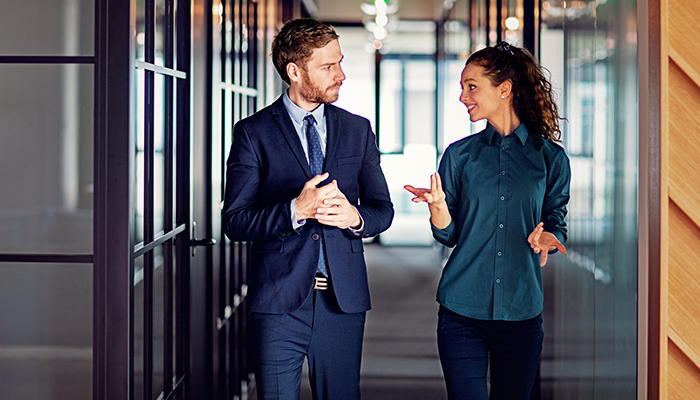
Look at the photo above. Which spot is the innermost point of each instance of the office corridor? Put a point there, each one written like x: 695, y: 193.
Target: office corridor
x: 400, y: 360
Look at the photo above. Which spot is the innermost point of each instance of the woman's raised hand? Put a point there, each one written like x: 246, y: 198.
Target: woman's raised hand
x: 432, y: 196
x: 435, y: 197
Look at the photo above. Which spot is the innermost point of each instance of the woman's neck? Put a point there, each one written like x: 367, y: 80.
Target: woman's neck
x: 506, y: 124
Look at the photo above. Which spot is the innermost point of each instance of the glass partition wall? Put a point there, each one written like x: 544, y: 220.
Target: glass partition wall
x: 46, y: 207
x: 591, y: 49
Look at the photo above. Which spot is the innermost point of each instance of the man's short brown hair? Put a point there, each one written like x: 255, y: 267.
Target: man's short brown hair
x: 297, y: 40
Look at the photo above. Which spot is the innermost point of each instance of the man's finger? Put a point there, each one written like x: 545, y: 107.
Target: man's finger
x: 543, y: 259
x: 317, y: 179
x: 330, y: 190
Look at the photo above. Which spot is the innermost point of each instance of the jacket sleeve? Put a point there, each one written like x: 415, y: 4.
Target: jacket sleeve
x: 247, y: 216
x: 375, y: 205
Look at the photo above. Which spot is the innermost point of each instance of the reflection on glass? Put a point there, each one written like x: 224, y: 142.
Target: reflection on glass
x: 46, y: 335
x: 159, y: 156
x: 158, y: 321
x: 159, y: 34
x: 161, y: 24
x: 39, y: 27
x: 138, y: 345
x: 228, y: 41
x: 46, y: 158
x: 140, y: 44
x: 593, y: 289
x: 140, y: 169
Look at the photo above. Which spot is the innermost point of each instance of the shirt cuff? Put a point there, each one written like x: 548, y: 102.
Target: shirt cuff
x: 296, y: 225
x: 444, y: 235
x: 359, y: 231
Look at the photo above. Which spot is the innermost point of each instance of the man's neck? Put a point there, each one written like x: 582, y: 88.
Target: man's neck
x: 299, y: 100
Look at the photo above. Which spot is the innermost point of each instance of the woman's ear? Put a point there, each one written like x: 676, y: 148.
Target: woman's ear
x: 505, y: 89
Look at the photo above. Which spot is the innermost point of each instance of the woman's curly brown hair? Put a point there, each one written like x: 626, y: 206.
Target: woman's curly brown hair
x: 533, y: 96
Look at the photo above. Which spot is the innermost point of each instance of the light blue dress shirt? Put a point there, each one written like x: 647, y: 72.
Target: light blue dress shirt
x: 297, y: 115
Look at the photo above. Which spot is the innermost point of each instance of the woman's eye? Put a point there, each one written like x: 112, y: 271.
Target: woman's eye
x: 472, y: 87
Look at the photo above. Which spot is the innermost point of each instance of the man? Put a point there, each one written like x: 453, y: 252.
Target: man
x: 306, y: 218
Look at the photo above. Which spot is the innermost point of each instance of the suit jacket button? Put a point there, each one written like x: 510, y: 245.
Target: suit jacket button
x: 315, y: 236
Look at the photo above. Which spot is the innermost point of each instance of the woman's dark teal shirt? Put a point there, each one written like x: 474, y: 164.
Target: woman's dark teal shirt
x: 497, y: 190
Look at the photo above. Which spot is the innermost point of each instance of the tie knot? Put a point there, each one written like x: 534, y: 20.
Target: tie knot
x: 309, y: 120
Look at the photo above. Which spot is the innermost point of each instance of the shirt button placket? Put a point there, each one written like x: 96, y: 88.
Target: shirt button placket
x: 500, y: 264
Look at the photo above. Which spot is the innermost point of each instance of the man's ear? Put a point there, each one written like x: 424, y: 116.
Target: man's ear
x: 293, y: 72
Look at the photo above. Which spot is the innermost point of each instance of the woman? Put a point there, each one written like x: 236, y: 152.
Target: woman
x: 499, y: 198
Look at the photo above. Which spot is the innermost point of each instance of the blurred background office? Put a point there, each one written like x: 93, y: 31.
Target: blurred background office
x: 117, y: 283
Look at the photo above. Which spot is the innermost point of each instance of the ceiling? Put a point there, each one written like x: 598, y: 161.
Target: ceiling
x: 349, y: 10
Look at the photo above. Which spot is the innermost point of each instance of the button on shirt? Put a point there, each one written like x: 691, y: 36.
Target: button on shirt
x: 497, y: 190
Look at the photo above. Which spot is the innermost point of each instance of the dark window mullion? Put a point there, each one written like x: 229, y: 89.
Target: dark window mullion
x: 242, y: 311
x: 182, y: 194
x: 235, y: 327
x: 236, y: 72
x: 168, y: 223
x: 224, y: 38
x: 252, y: 55
x: 242, y: 25
x: 148, y: 202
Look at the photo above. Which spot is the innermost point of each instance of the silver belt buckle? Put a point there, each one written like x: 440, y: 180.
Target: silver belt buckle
x: 321, y: 283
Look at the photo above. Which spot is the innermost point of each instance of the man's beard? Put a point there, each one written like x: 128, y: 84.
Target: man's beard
x: 312, y: 93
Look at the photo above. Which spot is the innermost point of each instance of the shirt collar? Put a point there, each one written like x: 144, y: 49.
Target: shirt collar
x: 298, y: 114
x: 521, y: 132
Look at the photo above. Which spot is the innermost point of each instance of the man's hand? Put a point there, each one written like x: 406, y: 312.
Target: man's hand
x: 543, y: 242
x: 337, y: 211
x: 311, y: 197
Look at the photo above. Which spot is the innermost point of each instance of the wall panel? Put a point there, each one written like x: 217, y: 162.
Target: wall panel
x: 682, y: 363
x: 684, y: 375
x: 684, y: 278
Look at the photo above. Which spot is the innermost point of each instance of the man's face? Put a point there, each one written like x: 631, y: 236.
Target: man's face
x: 321, y: 77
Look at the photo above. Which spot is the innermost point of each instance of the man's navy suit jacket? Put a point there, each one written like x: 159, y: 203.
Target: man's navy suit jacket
x: 266, y: 169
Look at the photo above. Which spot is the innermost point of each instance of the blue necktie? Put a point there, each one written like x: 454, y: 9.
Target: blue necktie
x: 316, y: 165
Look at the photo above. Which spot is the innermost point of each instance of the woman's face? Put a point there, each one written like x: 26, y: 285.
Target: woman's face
x: 482, y: 98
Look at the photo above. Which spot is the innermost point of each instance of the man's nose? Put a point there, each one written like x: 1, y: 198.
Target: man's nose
x: 340, y: 75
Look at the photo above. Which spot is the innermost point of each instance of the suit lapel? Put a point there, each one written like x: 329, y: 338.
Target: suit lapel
x: 332, y: 135
x: 284, y: 122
